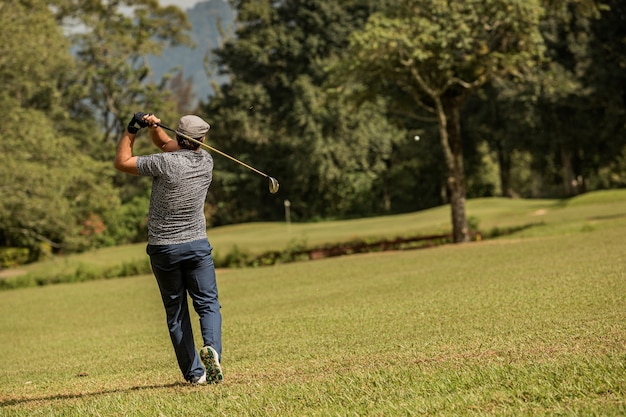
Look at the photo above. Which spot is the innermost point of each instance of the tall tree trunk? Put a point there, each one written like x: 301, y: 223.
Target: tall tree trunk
x: 504, y: 162
x: 386, y: 194
x: 573, y: 184
x: 448, y: 113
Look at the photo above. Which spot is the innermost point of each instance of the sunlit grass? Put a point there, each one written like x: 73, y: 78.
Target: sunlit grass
x: 532, y: 217
x: 530, y: 326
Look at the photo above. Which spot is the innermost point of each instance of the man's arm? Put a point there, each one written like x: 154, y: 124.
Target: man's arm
x: 124, y: 159
x: 160, y: 139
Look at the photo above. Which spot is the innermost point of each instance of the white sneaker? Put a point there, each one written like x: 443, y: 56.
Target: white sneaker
x: 211, y: 362
x: 198, y: 380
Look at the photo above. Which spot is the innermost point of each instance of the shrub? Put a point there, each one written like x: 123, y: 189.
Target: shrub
x: 11, y: 257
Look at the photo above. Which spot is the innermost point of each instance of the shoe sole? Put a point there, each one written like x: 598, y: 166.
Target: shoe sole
x: 213, y: 369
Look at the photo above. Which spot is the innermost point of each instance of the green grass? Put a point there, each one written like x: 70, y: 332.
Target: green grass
x: 494, y: 216
x: 531, y: 324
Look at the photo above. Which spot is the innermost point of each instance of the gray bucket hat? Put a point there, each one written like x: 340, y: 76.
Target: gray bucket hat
x: 193, y: 126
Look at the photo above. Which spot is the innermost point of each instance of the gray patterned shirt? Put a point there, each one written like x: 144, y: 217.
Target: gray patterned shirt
x: 180, y: 183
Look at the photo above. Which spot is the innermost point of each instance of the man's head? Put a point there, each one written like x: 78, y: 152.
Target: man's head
x: 194, y: 127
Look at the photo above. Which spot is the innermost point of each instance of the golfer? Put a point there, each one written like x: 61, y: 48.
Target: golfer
x: 180, y: 253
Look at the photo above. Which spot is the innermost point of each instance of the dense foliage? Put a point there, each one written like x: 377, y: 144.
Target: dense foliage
x: 506, y: 98
x: 429, y: 56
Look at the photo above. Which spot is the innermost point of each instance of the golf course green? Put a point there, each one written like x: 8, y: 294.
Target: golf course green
x: 528, y: 321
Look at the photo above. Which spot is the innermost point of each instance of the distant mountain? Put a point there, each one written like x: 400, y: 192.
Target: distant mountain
x: 205, y: 18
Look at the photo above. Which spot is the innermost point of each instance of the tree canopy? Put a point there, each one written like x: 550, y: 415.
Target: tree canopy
x: 53, y: 196
x: 358, y: 107
x: 428, y: 56
x: 62, y: 91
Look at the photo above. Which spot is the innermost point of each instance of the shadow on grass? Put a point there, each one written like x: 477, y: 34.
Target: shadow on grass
x: 508, y: 231
x: 608, y: 217
x: 57, y: 397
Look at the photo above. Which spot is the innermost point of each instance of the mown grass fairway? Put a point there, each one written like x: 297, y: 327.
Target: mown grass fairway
x: 592, y: 211
x: 529, y: 325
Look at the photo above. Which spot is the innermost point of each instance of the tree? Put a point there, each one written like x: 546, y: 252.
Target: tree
x: 182, y: 89
x: 277, y: 110
x: 34, y: 64
x: 561, y: 100
x: 54, y: 197
x: 212, y: 22
x: 566, y: 118
x: 432, y: 54
x: 588, y: 40
x: 111, y: 41
x: 607, y: 75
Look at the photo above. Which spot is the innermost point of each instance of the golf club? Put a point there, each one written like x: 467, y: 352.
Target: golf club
x: 273, y: 182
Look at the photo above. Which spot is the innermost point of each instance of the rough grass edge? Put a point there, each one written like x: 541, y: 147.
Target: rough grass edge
x: 81, y: 273
x: 238, y: 258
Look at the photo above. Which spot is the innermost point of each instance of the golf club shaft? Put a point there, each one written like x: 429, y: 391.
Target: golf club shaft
x: 214, y: 150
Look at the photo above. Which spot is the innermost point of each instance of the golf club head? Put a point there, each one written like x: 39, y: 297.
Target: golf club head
x: 273, y: 185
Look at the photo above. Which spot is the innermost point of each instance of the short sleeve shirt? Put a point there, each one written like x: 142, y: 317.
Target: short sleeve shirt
x: 180, y: 181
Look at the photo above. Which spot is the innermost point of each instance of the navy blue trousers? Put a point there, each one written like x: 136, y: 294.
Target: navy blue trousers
x: 187, y: 269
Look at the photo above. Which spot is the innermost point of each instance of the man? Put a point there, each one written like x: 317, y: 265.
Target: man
x: 180, y: 253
